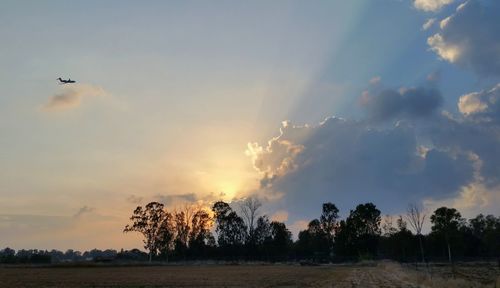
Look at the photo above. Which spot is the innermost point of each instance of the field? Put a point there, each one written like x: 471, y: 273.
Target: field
x: 382, y: 274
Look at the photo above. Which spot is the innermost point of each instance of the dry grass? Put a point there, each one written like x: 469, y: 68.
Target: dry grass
x: 382, y: 274
x: 461, y: 275
x: 173, y: 276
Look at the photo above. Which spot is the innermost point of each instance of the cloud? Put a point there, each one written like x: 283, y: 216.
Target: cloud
x: 375, y: 80
x: 71, y: 96
x: 10, y: 222
x: 82, y: 211
x: 470, y: 37
x: 431, y: 5
x: 277, y: 158
x: 481, y: 106
x: 280, y: 216
x: 134, y: 199
x: 477, y: 132
x: 349, y: 162
x: 176, y: 199
x: 428, y: 24
x: 404, y: 103
x: 444, y: 158
x: 434, y: 77
x: 472, y: 199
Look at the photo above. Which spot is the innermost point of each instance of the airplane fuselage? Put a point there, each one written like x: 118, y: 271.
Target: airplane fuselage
x: 62, y: 81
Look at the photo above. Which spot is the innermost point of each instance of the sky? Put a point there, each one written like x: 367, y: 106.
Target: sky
x: 294, y: 102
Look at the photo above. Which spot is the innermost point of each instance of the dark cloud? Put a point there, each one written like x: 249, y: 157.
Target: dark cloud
x: 451, y: 158
x: 71, y: 96
x: 84, y: 210
x: 349, y: 162
x: 470, y: 37
x: 481, y: 139
x: 405, y: 103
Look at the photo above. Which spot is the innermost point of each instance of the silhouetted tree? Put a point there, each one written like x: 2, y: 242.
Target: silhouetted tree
x: 486, y: 231
x: 166, y: 235
x: 262, y: 230
x: 328, y: 222
x: 200, y: 237
x: 182, y: 221
x: 249, y: 208
x: 359, y: 232
x: 231, y: 229
x: 313, y: 242
x: 446, y: 223
x: 279, y: 241
x: 416, y: 218
x: 148, y: 221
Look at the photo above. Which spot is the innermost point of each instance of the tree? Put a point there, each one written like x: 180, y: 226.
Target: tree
x: 328, y: 221
x: 313, y: 242
x: 200, y: 236
x: 446, y: 222
x: 249, y: 208
x: 148, y: 221
x: 416, y: 218
x: 231, y: 229
x: 262, y: 230
x: 359, y: 232
x: 166, y: 235
x: 279, y: 240
x: 486, y: 229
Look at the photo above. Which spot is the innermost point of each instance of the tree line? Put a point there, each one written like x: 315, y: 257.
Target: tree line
x: 36, y: 256
x: 223, y: 233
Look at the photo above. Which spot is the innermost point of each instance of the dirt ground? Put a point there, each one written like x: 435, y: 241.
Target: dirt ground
x: 383, y: 274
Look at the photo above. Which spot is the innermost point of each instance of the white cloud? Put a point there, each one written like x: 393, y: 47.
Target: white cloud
x: 280, y: 216
x: 471, y: 103
x: 431, y: 5
x: 481, y: 106
x: 428, y: 24
x: 447, y: 51
x: 470, y: 37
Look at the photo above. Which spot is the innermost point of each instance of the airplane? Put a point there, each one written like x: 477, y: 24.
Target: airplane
x: 62, y: 81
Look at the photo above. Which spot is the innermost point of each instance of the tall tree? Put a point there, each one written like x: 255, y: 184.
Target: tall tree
x: 360, y: 231
x: 148, y: 222
x: 280, y: 240
x: 200, y: 236
x: 231, y: 229
x: 262, y: 230
x: 166, y: 235
x: 446, y: 222
x: 328, y: 220
x: 486, y: 229
x: 416, y: 218
x: 249, y: 208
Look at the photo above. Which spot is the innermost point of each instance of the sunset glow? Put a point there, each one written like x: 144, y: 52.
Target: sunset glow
x: 191, y: 102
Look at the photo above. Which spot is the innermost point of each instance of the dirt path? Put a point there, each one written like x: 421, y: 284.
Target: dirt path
x: 374, y: 277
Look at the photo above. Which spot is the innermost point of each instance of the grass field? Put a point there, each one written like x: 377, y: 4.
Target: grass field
x: 383, y: 274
